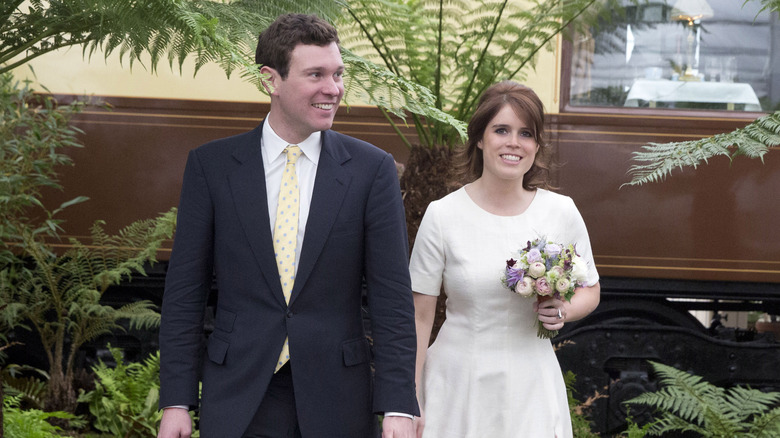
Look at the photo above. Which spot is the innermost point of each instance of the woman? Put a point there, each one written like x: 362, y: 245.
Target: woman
x: 488, y: 374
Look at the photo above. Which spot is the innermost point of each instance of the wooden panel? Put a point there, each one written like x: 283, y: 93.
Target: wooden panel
x: 134, y: 155
x: 712, y: 223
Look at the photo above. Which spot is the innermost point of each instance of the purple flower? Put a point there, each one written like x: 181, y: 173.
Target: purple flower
x: 513, y: 275
x: 553, y: 249
x: 533, y: 255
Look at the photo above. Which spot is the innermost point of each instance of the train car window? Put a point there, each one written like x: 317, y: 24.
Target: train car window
x: 679, y: 54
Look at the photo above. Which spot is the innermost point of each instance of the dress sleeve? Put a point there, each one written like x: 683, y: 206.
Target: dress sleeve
x: 579, y: 235
x: 427, y: 262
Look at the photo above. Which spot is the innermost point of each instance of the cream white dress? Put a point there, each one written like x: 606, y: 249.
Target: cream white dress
x: 488, y: 375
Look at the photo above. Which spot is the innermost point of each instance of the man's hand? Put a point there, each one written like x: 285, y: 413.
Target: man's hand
x: 397, y: 427
x: 176, y: 423
x: 419, y: 424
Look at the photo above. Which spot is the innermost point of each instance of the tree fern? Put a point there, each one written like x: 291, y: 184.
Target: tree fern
x: 221, y: 32
x: 688, y: 403
x: 456, y: 48
x: 656, y: 161
x: 61, y: 294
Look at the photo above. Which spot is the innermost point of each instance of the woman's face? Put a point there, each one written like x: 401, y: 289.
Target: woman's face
x: 508, y: 146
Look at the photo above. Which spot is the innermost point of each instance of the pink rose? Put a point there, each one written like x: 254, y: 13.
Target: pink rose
x: 543, y: 287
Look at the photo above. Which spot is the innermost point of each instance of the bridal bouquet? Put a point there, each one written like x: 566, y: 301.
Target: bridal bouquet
x: 544, y: 270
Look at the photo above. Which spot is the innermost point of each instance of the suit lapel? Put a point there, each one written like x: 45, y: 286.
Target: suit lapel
x: 247, y: 184
x: 330, y: 187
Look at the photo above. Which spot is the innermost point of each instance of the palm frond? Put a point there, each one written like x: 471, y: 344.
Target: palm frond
x: 656, y: 161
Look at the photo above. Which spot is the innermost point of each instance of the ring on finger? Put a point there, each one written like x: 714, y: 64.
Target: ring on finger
x: 560, y: 315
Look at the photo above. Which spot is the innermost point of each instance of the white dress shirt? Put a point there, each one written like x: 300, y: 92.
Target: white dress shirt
x: 274, y: 160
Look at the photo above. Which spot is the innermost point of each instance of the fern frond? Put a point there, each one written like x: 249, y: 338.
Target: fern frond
x: 140, y: 315
x: 766, y: 425
x: 656, y: 161
x: 688, y: 403
x: 456, y: 49
x: 30, y: 389
x: 745, y: 402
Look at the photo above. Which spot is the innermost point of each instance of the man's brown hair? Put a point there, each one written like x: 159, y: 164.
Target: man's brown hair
x: 276, y: 43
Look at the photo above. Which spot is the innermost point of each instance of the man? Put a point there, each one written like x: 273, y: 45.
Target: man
x: 345, y: 223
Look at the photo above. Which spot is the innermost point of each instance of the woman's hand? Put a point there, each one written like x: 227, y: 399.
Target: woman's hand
x: 551, y: 312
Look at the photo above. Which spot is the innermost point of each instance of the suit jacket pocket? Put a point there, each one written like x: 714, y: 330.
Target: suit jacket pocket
x: 217, y: 349
x: 224, y: 320
x: 356, y: 351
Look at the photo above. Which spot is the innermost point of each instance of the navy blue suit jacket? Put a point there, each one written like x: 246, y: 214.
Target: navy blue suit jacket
x: 356, y: 230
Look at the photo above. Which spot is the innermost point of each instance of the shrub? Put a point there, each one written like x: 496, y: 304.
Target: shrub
x: 124, y: 401
x: 32, y: 423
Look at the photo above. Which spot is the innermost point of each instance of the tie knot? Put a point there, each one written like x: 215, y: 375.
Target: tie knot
x: 293, y: 153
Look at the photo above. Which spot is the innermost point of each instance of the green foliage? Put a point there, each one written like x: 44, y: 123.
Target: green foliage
x: 456, y: 48
x: 30, y: 390
x: 688, y: 403
x: 32, y: 423
x: 221, y: 32
x: 634, y: 430
x: 212, y: 31
x: 59, y: 294
x: 124, y: 401
x: 769, y: 5
x: 580, y: 423
x: 658, y: 160
x: 33, y: 131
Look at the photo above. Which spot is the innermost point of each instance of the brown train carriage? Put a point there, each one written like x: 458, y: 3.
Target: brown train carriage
x: 704, y: 239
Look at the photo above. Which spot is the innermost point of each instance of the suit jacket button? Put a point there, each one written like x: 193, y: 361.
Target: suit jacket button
x: 289, y: 314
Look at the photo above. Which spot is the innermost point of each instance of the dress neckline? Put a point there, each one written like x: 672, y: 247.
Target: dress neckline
x: 476, y: 206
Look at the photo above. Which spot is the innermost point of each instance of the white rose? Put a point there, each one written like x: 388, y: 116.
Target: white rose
x: 579, y: 270
x: 525, y: 287
x: 536, y: 269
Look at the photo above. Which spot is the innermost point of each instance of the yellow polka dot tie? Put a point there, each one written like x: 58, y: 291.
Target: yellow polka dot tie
x: 286, y: 234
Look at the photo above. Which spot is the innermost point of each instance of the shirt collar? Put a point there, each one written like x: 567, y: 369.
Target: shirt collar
x: 273, y: 145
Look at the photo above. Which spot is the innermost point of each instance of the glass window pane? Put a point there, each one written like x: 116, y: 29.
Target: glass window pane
x: 683, y: 54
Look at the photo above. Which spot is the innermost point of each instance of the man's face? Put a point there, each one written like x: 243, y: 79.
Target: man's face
x: 306, y: 101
